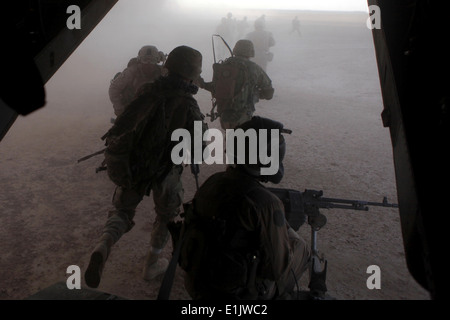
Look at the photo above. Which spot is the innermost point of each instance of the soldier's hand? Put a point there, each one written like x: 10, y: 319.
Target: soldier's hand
x: 200, y: 82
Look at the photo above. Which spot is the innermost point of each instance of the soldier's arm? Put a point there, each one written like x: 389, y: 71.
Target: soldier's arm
x: 209, y: 86
x: 264, y: 84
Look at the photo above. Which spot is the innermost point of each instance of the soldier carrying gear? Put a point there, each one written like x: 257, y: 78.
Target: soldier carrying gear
x: 145, y: 68
x: 237, y: 85
x: 237, y: 243
x: 138, y: 159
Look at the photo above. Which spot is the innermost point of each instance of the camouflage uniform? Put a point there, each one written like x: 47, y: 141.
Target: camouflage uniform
x: 140, y: 70
x: 250, y: 250
x: 258, y: 81
x: 181, y: 110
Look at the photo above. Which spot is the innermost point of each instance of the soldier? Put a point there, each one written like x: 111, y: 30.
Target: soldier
x: 262, y: 40
x: 237, y: 243
x: 296, y: 26
x: 144, y: 68
x: 178, y: 107
x: 252, y: 84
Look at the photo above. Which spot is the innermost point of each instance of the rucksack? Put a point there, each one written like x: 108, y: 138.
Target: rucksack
x: 132, y: 62
x: 137, y: 142
x: 116, y: 76
x: 218, y: 251
x: 232, y: 88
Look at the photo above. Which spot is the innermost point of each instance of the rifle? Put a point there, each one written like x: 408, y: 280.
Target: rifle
x: 102, y: 166
x: 301, y: 207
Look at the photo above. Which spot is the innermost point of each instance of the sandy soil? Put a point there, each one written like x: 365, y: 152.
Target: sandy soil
x: 326, y: 91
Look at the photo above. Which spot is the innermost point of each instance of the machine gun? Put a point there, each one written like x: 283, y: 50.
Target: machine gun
x: 301, y: 207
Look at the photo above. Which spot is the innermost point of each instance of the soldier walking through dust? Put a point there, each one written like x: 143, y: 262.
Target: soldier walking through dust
x: 237, y: 86
x: 139, y: 160
x: 144, y: 68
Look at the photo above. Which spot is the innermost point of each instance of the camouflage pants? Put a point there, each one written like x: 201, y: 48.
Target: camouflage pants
x: 300, y: 261
x: 167, y: 196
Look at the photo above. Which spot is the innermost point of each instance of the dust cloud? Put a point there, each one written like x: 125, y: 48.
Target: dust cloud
x: 326, y: 91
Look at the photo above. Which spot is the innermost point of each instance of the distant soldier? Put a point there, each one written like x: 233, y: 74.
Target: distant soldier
x: 296, y: 26
x: 142, y: 69
x: 138, y: 159
x: 237, y: 86
x: 262, y: 40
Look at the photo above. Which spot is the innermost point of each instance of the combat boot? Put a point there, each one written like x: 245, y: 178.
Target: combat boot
x: 154, y: 265
x: 99, y: 255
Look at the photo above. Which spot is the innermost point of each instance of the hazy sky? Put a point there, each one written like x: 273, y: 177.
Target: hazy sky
x: 331, y: 5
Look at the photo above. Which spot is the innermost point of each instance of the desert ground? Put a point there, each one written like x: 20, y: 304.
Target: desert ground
x: 326, y: 91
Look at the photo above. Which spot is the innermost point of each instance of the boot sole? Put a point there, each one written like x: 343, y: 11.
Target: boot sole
x: 94, y: 270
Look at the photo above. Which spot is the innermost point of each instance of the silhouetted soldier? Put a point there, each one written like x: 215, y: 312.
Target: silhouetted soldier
x: 296, y: 26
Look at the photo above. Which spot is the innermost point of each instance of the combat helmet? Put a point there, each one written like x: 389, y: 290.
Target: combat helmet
x: 254, y: 168
x: 244, y: 48
x: 149, y: 54
x: 185, y: 62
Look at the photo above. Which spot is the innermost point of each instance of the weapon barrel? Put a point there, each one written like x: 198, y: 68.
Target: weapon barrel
x: 352, y: 204
x: 385, y: 203
x: 342, y: 204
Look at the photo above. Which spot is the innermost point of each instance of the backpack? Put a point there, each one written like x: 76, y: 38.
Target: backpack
x: 137, y: 142
x: 132, y: 62
x: 218, y: 252
x: 232, y: 88
x: 116, y: 76
x: 128, y: 93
